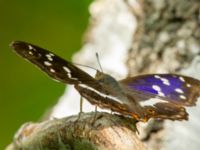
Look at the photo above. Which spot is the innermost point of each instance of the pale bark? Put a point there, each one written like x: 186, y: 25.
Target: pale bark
x: 167, y: 40
x: 105, y: 132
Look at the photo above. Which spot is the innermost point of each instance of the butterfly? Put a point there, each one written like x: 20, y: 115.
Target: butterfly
x: 162, y: 96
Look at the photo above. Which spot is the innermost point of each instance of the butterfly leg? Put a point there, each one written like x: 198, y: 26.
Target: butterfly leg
x: 95, y: 112
x: 81, y: 108
x: 95, y: 115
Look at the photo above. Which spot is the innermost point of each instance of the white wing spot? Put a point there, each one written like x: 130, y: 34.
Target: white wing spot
x: 165, y: 81
x: 179, y: 90
x: 47, y: 63
x: 66, y: 69
x: 52, y: 70
x: 156, y: 87
x: 182, y: 79
x: 30, y: 47
x: 50, y: 59
x: 30, y: 53
x: 182, y: 97
x: 188, y: 85
x: 150, y: 102
x: 161, y: 93
x: 49, y: 56
x: 157, y: 76
x: 69, y: 73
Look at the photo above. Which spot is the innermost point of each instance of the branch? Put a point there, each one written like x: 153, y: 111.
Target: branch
x: 105, y: 132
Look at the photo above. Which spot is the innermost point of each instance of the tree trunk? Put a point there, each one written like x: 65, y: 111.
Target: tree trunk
x: 167, y: 40
x: 150, y: 37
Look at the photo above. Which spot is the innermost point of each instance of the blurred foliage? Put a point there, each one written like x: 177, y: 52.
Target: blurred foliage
x: 26, y: 93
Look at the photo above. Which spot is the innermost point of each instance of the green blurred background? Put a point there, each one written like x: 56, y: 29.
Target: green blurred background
x: 25, y: 92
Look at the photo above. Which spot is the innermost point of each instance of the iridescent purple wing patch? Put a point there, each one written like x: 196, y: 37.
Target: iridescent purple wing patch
x: 178, y: 89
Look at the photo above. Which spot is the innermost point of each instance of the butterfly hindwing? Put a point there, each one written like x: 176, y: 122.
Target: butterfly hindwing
x: 166, y: 110
x: 163, y: 95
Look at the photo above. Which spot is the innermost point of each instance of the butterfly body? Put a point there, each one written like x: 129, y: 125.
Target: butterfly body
x: 162, y: 96
x: 112, y: 96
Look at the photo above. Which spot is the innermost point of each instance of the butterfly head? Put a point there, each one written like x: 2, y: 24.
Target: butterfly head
x: 99, y: 75
x: 104, y: 78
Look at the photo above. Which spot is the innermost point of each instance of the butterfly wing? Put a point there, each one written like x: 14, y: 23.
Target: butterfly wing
x: 66, y: 72
x: 163, y: 95
x: 165, y: 110
x: 53, y: 65
x: 177, y: 89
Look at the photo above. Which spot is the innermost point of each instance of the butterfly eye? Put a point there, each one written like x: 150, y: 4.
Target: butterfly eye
x: 150, y: 111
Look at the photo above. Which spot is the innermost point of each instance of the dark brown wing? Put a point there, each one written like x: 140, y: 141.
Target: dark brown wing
x: 53, y: 65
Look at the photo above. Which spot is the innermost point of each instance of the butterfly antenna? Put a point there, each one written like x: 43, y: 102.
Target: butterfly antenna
x: 84, y: 66
x: 97, y: 56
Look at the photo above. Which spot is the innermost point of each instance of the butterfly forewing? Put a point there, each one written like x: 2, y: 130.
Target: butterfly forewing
x: 55, y: 66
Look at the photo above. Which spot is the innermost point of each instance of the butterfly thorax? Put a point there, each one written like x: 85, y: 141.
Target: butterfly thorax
x: 109, y: 83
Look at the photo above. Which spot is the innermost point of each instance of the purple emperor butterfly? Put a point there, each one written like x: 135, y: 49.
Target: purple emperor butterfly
x: 143, y: 97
